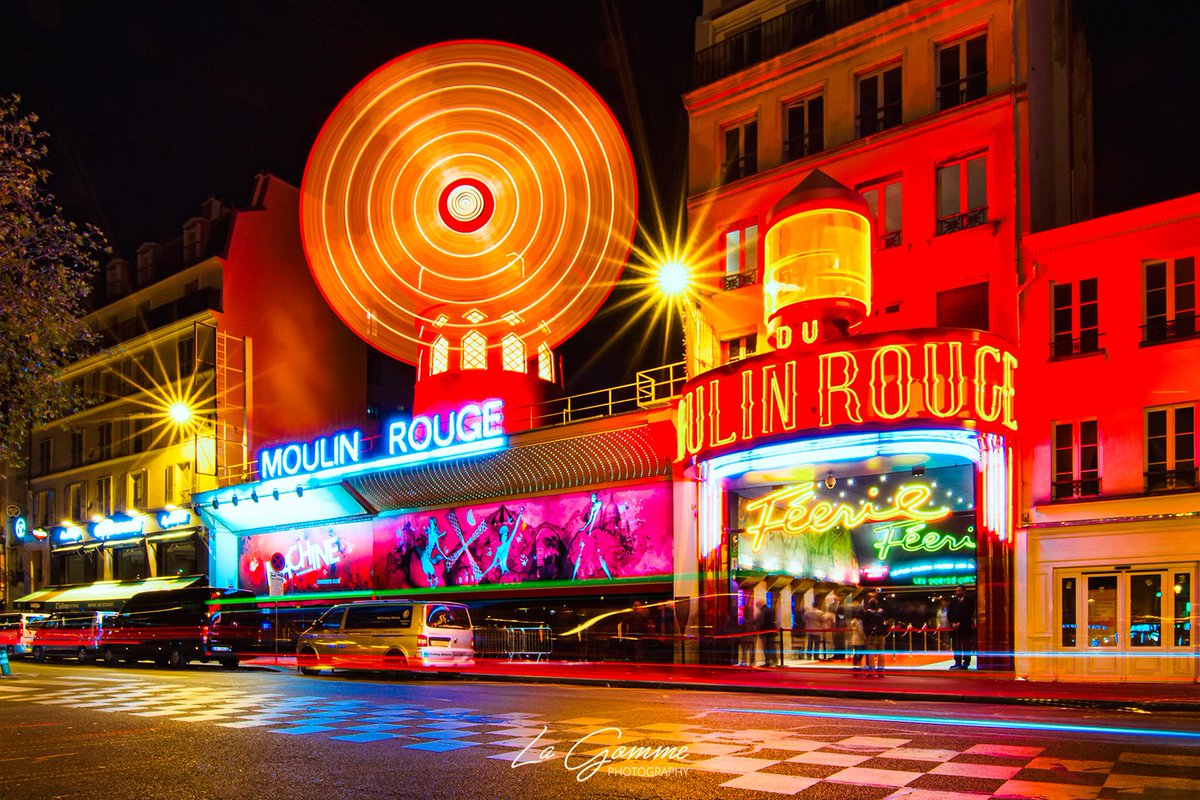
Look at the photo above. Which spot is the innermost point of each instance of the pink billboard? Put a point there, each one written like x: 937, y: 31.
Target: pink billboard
x: 320, y: 559
x: 601, y: 534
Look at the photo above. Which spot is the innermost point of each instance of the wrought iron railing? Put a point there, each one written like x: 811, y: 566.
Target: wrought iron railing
x: 960, y: 222
x: 738, y: 280
x: 964, y: 90
x: 888, y: 115
x: 803, y: 145
x: 886, y: 241
x: 805, y: 23
x: 738, y: 168
x: 1065, y: 346
x: 1161, y: 329
x: 1170, y: 480
x: 1085, y: 487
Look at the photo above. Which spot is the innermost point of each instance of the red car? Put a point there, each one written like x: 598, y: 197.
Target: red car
x: 16, y: 631
x: 70, y: 634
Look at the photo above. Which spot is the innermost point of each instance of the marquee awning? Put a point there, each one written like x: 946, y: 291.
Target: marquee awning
x: 105, y: 591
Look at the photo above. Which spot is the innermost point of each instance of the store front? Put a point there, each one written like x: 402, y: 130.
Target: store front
x: 875, y: 462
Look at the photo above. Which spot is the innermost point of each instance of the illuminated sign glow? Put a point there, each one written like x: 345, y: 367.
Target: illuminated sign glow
x: 174, y: 518
x: 912, y: 537
x: 472, y: 422
x: 68, y: 534
x: 953, y: 375
x: 789, y: 511
x: 296, y: 458
x: 20, y: 527
x: 117, y: 528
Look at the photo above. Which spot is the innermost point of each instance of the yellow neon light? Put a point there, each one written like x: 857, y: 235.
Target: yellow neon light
x: 899, y: 378
x: 829, y: 388
x: 787, y: 510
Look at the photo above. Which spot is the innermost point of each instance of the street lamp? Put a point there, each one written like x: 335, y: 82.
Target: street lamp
x: 674, y: 279
x: 180, y: 413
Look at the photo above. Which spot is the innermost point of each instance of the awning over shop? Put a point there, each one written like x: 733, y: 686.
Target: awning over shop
x: 104, y: 591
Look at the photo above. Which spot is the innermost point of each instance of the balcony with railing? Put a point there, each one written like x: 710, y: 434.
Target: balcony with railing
x: 1074, y: 489
x: 739, y: 279
x: 964, y: 90
x: 1067, y: 346
x: 803, y: 145
x: 738, y: 168
x: 1162, y: 329
x: 886, y: 241
x: 971, y: 218
x: 1170, y: 480
x: 797, y: 26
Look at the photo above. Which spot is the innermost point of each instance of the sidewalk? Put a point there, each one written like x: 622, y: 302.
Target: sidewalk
x: 920, y: 684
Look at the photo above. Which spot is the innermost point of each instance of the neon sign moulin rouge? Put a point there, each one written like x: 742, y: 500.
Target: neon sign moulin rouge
x: 789, y: 511
x: 470, y: 423
x: 966, y: 376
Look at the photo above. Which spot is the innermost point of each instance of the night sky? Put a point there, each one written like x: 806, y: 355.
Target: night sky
x: 153, y: 106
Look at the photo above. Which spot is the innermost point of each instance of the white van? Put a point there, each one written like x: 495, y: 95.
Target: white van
x: 393, y: 635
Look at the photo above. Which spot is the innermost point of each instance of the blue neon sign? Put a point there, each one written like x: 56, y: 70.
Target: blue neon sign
x: 20, y: 528
x: 300, y: 457
x: 67, y: 534
x: 117, y: 527
x: 174, y: 518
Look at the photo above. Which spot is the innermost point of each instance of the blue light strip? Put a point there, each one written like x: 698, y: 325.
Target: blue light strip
x: 975, y: 723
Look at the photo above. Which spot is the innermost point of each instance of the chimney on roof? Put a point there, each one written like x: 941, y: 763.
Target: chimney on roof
x: 211, y: 208
x: 117, y: 279
x: 149, y: 256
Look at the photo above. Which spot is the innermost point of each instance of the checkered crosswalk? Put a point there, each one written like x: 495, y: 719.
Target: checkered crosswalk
x: 807, y: 761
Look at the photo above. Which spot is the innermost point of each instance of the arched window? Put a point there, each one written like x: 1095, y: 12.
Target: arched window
x: 474, y: 350
x: 545, y: 363
x: 512, y: 353
x: 439, y: 356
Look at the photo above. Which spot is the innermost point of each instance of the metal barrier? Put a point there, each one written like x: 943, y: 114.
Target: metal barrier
x: 533, y: 642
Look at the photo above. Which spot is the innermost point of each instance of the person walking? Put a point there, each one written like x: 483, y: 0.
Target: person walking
x: 765, y: 625
x: 858, y: 637
x: 961, y: 615
x: 875, y: 628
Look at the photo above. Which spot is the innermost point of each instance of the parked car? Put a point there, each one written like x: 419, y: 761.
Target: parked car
x: 394, y: 635
x: 74, y: 633
x: 16, y: 631
x: 169, y: 627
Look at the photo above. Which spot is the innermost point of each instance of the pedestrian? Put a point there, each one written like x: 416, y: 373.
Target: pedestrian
x: 858, y: 637
x: 941, y: 621
x: 961, y: 615
x: 839, y: 627
x: 875, y: 628
x: 812, y: 625
x: 641, y: 627
x: 747, y: 633
x: 767, y: 630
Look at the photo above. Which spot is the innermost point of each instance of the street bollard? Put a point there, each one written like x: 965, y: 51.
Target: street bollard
x: 5, y: 669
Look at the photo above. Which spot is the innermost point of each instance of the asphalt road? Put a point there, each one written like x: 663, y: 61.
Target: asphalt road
x: 89, y: 732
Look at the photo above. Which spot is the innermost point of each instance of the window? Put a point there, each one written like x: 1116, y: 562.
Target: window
x: 439, y: 356
x: 178, y: 558
x: 804, y: 128
x: 1171, y: 448
x: 1067, y: 606
x: 879, y: 101
x: 962, y: 72
x: 439, y: 616
x: 962, y: 194
x: 186, y: 350
x: 739, y: 348
x: 45, y: 450
x: 1076, y: 459
x: 379, y: 617
x: 1170, y: 300
x: 43, y: 508
x: 1182, y: 590
x: 137, y: 490
x: 129, y: 563
x: 883, y: 198
x: 741, y: 256
x: 141, y: 434
x: 104, y: 496
x: 105, y: 434
x: 76, y: 448
x: 740, y: 156
x: 77, y: 501
x: 545, y: 363
x: 474, y: 350
x: 964, y: 307
x: 1076, y: 325
x: 512, y: 353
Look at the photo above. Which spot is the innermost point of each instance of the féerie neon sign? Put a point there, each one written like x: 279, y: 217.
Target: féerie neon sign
x: 472, y: 422
x: 912, y: 537
x: 943, y: 376
x: 789, y: 511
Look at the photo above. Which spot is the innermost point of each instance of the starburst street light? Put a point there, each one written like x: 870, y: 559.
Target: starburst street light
x: 674, y: 279
x: 180, y: 413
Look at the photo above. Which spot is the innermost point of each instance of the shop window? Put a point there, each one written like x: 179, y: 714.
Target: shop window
x: 964, y: 307
x: 1170, y: 300
x: 178, y: 558
x: 1075, y: 319
x: 741, y: 256
x: 137, y: 490
x: 439, y: 356
x: 1076, y: 460
x: 76, y: 448
x: 129, y: 563
x: 1182, y: 592
x: 512, y: 353
x: 186, y: 352
x: 962, y: 72
x: 884, y: 200
x: 1067, y: 603
x: 879, y: 101
x: 1102, y: 610
x: 77, y: 501
x: 104, y: 496
x: 45, y: 452
x: 545, y: 363
x: 76, y: 567
x: 1171, y: 448
x: 739, y: 157
x: 804, y: 128
x: 962, y: 194
x: 1145, y: 610
x: 474, y: 351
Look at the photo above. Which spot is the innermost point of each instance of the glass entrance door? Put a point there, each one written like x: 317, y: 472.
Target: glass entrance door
x: 1131, y: 624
